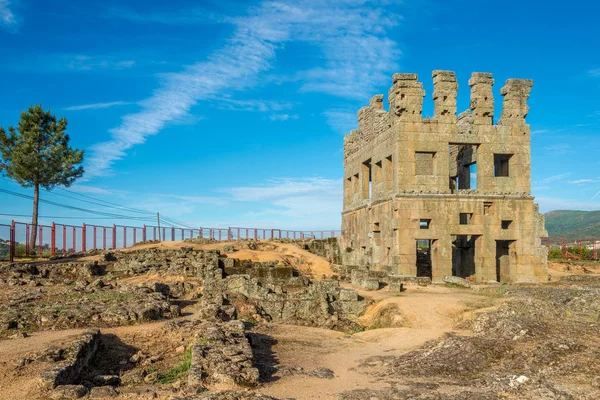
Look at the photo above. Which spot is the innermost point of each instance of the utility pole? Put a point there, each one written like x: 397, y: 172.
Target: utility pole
x: 158, y: 218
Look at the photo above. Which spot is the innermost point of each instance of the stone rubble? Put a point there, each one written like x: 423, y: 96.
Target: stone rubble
x: 222, y: 357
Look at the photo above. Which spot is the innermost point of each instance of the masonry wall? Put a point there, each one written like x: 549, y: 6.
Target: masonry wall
x: 408, y: 180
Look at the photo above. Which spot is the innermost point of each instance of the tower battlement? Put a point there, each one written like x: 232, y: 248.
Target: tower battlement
x: 459, y: 182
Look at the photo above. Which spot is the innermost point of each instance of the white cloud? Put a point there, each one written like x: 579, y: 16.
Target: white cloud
x: 97, y: 106
x: 559, y: 149
x: 350, y: 33
x: 253, y: 105
x: 89, y: 189
x: 587, y: 180
x: 595, y: 72
x: 7, y: 18
x: 551, y: 203
x: 82, y: 62
x: 341, y: 121
x: 554, y: 178
x: 536, y: 132
x: 314, y: 202
x: 582, y: 181
x: 282, y: 117
x: 192, y: 16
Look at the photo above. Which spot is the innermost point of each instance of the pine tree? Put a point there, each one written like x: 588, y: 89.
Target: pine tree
x: 37, y: 153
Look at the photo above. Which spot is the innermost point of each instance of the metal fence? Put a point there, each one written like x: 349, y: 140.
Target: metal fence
x: 63, y: 239
x: 584, y: 249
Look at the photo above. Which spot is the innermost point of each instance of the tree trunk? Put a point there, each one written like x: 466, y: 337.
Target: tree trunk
x: 34, y: 218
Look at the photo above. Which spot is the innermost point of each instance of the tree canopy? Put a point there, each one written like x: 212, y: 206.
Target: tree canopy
x: 37, y: 152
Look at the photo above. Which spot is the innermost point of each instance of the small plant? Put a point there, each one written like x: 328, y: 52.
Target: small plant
x: 175, y: 373
x: 454, y: 286
x: 494, y: 293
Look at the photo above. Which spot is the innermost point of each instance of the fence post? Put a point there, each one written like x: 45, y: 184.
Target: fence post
x: 144, y: 234
x: 201, y: 235
x: 172, y: 233
x: 229, y: 233
x: 114, y: 237
x: 13, y: 242
x: 255, y: 234
x: 104, y: 238
x: 124, y: 237
x: 52, y: 239
x: 64, y: 239
x: 95, y: 247
x: 74, y: 240
x: 83, y: 238
x: 41, y: 240
x: 27, y: 239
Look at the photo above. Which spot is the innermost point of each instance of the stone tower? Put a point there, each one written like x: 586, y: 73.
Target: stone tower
x: 450, y: 195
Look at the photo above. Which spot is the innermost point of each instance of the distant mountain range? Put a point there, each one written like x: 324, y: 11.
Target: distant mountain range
x: 573, y: 225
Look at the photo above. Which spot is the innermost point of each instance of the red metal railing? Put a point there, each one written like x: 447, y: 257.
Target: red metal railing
x: 62, y: 239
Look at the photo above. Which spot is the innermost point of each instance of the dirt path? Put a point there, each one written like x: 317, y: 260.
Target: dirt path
x: 426, y: 314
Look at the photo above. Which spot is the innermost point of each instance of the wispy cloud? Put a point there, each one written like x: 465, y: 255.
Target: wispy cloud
x: 282, y: 117
x: 341, y: 121
x: 554, y: 178
x: 89, y: 189
x: 551, y: 203
x: 559, y: 149
x: 253, y: 105
x: 94, y: 106
x: 595, y: 72
x: 82, y: 62
x: 539, y: 131
x: 350, y: 33
x: 318, y: 200
x: 187, y: 16
x: 586, y: 180
x: 7, y: 17
x: 68, y: 63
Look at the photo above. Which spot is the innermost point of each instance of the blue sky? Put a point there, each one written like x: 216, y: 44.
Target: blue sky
x: 221, y: 113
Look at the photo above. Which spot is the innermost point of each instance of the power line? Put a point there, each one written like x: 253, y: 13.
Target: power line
x: 170, y: 222
x: 112, y: 215
x: 106, y: 202
x: 121, y: 208
x: 59, y: 217
x: 175, y: 223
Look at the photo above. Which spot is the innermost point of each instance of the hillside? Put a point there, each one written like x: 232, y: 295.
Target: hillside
x: 573, y: 225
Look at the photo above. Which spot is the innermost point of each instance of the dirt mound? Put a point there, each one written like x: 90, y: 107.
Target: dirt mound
x: 384, y: 315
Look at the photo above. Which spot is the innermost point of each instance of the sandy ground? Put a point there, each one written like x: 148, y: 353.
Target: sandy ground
x: 416, y: 315
x: 426, y: 314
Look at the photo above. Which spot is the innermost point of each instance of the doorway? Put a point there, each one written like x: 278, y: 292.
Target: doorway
x: 424, y: 266
x: 463, y: 255
x: 503, y: 248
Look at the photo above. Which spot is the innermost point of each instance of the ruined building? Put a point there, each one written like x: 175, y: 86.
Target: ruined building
x: 449, y: 195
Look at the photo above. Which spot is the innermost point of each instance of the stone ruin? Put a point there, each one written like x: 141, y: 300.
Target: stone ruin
x: 236, y: 289
x: 443, y: 196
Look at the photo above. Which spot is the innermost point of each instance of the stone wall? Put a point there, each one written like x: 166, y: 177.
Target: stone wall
x: 235, y: 288
x: 456, y: 187
x: 328, y: 248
